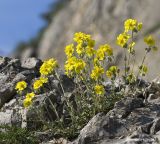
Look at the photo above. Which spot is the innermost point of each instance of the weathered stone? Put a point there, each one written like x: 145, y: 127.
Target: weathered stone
x: 57, y: 141
x: 7, y: 90
x: 120, y: 124
x: 155, y: 127
x: 5, y: 117
x: 31, y: 63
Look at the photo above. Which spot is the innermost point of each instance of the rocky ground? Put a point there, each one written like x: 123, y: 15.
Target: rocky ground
x: 134, y: 120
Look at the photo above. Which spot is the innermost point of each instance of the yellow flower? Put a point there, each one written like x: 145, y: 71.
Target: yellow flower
x: 122, y: 39
x: 97, y: 72
x: 99, y: 89
x: 43, y: 79
x: 27, y: 102
x: 81, y: 37
x: 100, y: 55
x: 107, y: 49
x: 103, y: 51
x: 20, y: 86
x: 48, y: 66
x: 149, y: 41
x: 37, y: 84
x: 130, y: 24
x: 79, y: 66
x: 30, y: 95
x: 69, y: 50
x: 80, y: 49
x: 84, y: 44
x: 69, y: 66
x: 90, y: 51
x: 74, y: 66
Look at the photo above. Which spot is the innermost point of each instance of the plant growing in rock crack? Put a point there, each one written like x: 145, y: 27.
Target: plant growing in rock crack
x: 16, y: 135
x: 90, y: 68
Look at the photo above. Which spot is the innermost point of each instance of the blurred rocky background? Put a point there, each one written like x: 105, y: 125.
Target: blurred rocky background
x: 103, y: 19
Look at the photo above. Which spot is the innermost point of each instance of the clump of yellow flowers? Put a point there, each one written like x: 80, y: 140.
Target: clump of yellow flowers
x: 20, y: 86
x: 39, y: 83
x: 84, y: 62
x: 28, y: 100
x: 87, y: 63
x: 99, y: 89
x: 132, y: 25
x: 90, y: 66
x: 47, y: 68
x: 126, y: 40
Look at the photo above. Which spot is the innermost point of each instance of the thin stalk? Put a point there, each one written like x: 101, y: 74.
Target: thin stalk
x: 54, y: 108
x: 125, y: 60
x: 129, y: 53
x: 60, y: 83
x: 134, y: 61
x: 142, y: 63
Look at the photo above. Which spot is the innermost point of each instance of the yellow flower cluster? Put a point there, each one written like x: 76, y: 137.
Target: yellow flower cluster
x: 39, y: 83
x: 87, y: 64
x: 99, y: 89
x: 69, y: 50
x: 90, y: 51
x: 97, y: 72
x: 74, y: 66
x: 81, y: 37
x: 28, y: 100
x: 85, y: 44
x: 48, y: 67
x: 77, y: 54
x: 103, y: 51
x: 20, y: 86
x: 133, y: 25
x: 112, y: 72
x: 122, y: 39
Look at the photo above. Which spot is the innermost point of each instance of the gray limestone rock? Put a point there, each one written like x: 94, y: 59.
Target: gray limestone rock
x: 30, y: 63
